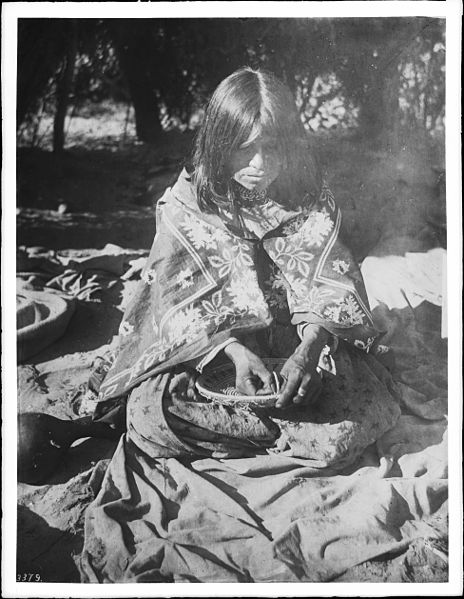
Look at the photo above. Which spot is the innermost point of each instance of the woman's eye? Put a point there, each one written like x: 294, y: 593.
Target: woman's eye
x: 248, y: 151
x: 272, y: 147
x: 247, y: 147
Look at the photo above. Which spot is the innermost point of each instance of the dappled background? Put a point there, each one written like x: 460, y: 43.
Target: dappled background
x: 107, y: 110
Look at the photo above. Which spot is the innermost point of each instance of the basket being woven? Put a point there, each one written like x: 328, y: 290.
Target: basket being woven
x: 218, y: 385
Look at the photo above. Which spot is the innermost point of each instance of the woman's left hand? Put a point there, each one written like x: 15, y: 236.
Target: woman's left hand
x: 302, y: 383
x: 182, y: 386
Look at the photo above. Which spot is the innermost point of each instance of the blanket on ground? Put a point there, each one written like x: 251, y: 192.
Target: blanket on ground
x: 262, y: 519
x: 277, y: 517
x: 415, y: 447
x: 50, y: 283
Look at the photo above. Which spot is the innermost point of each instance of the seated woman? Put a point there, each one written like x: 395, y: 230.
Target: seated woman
x: 247, y: 264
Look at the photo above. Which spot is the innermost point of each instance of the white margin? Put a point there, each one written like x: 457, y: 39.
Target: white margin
x: 452, y: 11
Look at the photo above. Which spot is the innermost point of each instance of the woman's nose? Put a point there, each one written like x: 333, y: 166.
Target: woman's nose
x: 258, y: 160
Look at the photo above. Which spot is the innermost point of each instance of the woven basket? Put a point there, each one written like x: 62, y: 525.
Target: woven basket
x: 218, y: 385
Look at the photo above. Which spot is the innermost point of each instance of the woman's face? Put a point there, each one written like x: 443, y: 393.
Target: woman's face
x: 256, y: 163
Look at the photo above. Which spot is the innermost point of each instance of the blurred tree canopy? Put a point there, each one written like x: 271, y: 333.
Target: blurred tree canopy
x: 377, y: 73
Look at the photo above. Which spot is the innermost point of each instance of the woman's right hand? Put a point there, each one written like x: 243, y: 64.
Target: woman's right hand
x: 251, y: 375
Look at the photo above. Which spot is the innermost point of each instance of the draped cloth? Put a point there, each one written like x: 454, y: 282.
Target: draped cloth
x: 205, y: 281
x: 285, y: 507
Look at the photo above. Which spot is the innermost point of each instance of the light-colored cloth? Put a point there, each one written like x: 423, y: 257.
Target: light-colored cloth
x: 86, y: 274
x: 49, y: 282
x: 262, y: 519
x: 276, y: 517
x: 409, y: 280
x: 408, y: 298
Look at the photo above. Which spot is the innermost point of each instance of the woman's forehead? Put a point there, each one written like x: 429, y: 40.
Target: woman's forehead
x: 258, y: 134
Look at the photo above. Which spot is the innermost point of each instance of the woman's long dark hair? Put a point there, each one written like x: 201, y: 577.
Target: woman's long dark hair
x: 245, y: 101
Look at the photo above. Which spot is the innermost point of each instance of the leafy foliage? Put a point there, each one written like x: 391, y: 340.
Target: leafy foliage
x: 377, y: 73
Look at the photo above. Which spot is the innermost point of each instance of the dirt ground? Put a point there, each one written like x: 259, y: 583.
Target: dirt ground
x: 87, y: 198
x: 90, y: 197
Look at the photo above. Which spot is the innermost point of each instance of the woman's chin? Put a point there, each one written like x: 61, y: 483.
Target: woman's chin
x: 255, y: 185
x: 262, y: 186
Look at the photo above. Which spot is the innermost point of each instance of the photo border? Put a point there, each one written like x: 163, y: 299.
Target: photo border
x: 451, y: 10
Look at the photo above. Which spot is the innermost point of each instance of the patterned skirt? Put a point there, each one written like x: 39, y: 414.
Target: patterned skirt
x: 355, y: 408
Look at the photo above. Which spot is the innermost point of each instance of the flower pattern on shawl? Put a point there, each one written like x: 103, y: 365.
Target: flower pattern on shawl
x: 208, y: 281
x: 317, y: 226
x: 294, y: 225
x: 231, y: 259
x: 327, y: 197
x: 304, y: 259
x: 382, y: 349
x: 198, y: 233
x: 216, y: 310
x: 126, y: 328
x: 275, y: 289
x: 346, y: 311
x: 184, y: 325
x: 293, y: 256
x: 184, y: 278
x: 314, y: 301
x: 149, y: 276
x: 276, y: 281
x: 246, y: 295
x: 340, y: 266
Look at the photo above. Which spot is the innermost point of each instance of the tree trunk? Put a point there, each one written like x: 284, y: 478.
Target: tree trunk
x: 147, y: 122
x: 63, y: 90
x: 41, y: 47
x: 379, y: 112
x: 132, y: 48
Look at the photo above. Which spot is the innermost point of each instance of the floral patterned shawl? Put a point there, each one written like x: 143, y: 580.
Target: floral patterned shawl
x: 202, y: 284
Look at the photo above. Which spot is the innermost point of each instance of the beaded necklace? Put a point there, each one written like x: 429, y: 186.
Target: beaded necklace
x: 250, y: 197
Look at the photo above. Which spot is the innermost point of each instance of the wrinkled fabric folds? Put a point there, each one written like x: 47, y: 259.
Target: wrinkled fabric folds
x: 261, y: 519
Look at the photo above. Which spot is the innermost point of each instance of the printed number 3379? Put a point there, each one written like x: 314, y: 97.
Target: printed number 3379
x: 28, y: 577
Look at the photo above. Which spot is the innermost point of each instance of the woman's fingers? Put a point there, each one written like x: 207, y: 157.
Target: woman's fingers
x: 251, y: 373
x: 301, y: 393
x: 179, y: 383
x: 254, y: 383
x: 247, y: 385
x: 182, y: 386
x: 309, y: 388
x: 289, y: 389
x: 192, y: 392
x: 299, y: 387
x: 267, y: 380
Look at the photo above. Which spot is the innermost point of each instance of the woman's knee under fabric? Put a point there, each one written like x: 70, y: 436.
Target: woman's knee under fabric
x: 165, y: 425
x: 356, y: 407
